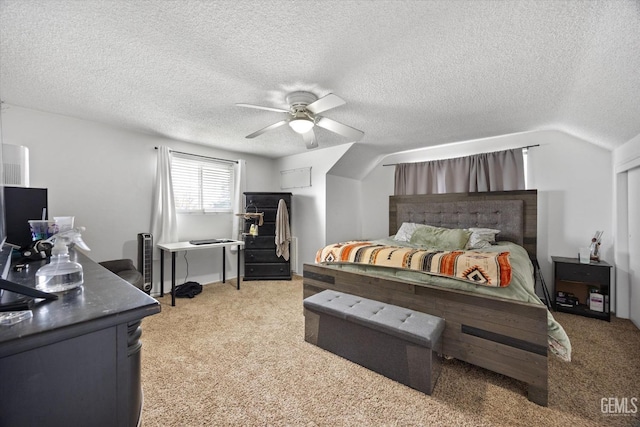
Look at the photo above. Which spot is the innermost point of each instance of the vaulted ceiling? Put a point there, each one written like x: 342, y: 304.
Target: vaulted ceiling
x: 413, y: 73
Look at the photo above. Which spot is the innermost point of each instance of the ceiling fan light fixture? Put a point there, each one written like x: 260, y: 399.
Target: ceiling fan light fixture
x: 301, y: 124
x: 304, y: 114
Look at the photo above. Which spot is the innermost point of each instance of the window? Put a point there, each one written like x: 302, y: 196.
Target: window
x: 201, y: 185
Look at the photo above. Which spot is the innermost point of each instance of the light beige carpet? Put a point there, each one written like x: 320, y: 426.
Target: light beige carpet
x: 231, y: 357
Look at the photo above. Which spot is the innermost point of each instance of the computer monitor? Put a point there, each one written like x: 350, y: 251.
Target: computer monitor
x: 20, y: 205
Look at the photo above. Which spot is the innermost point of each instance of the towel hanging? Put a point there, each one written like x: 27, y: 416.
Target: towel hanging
x: 283, y: 233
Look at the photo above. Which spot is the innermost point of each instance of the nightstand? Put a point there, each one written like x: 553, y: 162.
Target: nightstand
x: 574, y: 281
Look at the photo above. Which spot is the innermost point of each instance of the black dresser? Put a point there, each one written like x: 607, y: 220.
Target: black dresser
x: 260, y: 259
x: 77, y: 361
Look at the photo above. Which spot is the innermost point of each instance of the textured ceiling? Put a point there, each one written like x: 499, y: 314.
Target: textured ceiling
x: 413, y: 73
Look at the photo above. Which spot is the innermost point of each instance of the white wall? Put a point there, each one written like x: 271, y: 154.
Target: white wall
x: 625, y: 159
x: 309, y: 204
x: 376, y: 189
x: 104, y: 177
x: 627, y: 156
x: 633, y: 185
x: 344, y: 209
x: 573, y: 178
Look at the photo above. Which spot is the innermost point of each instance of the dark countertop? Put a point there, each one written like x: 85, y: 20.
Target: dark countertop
x: 104, y: 300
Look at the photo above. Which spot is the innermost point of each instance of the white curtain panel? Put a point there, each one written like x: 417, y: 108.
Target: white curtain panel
x: 164, y: 223
x: 240, y: 181
x: 498, y: 171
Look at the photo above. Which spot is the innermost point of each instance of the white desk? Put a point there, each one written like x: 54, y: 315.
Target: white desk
x: 186, y: 246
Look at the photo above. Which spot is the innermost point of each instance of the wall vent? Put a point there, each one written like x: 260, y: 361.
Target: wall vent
x: 15, y: 165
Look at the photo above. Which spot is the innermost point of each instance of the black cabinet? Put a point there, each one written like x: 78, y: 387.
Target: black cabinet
x: 77, y: 361
x: 260, y: 259
x: 574, y: 283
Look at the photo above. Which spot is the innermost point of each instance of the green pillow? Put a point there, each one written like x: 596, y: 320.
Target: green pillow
x: 446, y: 239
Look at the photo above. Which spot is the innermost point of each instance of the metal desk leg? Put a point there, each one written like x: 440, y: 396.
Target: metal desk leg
x: 223, y: 263
x: 173, y: 279
x: 161, y: 272
x: 238, y: 276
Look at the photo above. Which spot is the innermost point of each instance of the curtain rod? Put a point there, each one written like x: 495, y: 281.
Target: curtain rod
x: 523, y: 148
x: 204, y: 157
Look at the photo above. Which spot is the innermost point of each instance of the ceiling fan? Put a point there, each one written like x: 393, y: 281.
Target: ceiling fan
x: 303, y: 111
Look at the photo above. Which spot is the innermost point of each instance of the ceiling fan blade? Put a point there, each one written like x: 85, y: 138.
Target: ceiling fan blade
x: 310, y: 139
x: 268, y: 128
x: 260, y: 107
x: 352, y: 134
x: 325, y: 103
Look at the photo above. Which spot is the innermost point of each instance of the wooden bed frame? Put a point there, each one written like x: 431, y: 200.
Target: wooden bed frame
x: 504, y: 336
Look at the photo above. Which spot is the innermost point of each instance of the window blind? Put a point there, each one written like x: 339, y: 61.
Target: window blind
x: 201, y: 185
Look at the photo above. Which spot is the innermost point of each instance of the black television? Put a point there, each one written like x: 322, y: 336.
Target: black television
x: 20, y: 205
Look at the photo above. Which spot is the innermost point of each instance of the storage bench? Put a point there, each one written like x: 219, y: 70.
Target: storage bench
x: 396, y: 342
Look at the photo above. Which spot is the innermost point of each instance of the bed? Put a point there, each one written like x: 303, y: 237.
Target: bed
x: 486, y: 326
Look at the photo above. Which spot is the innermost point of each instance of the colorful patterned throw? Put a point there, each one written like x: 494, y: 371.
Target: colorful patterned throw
x: 482, y: 268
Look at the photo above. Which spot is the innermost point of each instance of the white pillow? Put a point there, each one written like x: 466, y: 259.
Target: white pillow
x: 481, y: 238
x: 406, y: 230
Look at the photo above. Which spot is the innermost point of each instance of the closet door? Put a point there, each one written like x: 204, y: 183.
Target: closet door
x: 634, y: 244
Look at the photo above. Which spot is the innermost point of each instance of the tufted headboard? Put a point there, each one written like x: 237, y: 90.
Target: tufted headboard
x: 514, y: 213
